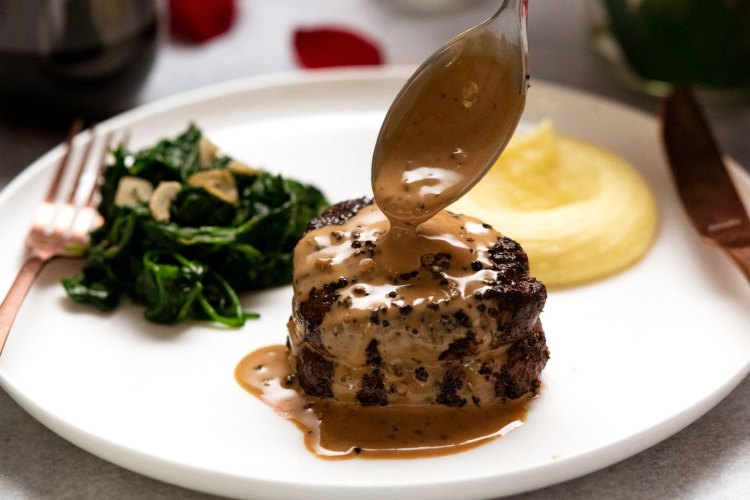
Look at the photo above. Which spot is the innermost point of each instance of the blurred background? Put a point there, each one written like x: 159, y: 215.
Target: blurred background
x: 60, y: 59
x: 65, y: 58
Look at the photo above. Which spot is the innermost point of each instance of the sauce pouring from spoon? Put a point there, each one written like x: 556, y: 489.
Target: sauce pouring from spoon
x: 450, y: 122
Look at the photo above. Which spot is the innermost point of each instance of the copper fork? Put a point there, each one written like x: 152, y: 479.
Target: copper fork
x: 60, y: 226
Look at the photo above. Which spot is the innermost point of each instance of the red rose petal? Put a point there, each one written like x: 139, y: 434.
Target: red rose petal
x: 329, y: 46
x: 200, y: 20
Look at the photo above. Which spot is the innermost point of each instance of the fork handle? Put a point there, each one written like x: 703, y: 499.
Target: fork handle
x: 18, y: 290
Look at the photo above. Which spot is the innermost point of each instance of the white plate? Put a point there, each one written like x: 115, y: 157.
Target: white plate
x: 634, y: 358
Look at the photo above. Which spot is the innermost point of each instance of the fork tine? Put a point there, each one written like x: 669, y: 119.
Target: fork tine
x: 100, y: 169
x: 63, y: 165
x: 108, y: 141
x: 66, y: 212
x: 125, y: 138
x: 86, y: 217
x: 82, y: 165
x: 83, y: 222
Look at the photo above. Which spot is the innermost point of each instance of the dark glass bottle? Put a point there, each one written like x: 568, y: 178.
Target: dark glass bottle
x: 61, y: 59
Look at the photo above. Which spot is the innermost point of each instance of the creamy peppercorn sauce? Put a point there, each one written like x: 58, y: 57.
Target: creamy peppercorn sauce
x: 448, y: 262
x: 334, y: 430
x: 406, y: 282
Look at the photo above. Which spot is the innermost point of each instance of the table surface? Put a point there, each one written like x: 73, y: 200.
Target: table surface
x: 708, y: 459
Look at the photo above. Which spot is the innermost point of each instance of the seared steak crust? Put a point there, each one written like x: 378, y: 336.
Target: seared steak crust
x: 314, y: 371
x: 494, y: 346
x: 449, y: 387
x: 518, y: 298
x: 519, y: 374
x: 313, y: 310
x: 372, y: 392
x: 337, y: 214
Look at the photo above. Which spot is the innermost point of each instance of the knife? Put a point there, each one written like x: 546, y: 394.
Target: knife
x: 702, y: 180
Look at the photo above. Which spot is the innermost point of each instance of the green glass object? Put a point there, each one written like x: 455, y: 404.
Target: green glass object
x: 703, y: 43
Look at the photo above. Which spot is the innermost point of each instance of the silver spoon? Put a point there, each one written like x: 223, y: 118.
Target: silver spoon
x: 452, y: 119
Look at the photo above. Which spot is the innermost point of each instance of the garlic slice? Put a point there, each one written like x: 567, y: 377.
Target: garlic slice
x: 239, y: 168
x: 219, y: 183
x: 161, y: 201
x: 132, y: 190
x: 207, y: 152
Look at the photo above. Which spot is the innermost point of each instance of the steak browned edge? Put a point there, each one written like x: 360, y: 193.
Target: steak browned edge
x: 520, y: 373
x: 315, y: 363
x: 315, y: 366
x: 372, y: 392
x: 515, y: 299
x: 338, y: 214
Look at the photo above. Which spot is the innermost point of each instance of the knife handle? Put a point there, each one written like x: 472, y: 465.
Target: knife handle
x: 740, y: 255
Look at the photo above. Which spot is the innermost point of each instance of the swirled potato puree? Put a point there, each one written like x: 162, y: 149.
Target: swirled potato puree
x: 580, y: 212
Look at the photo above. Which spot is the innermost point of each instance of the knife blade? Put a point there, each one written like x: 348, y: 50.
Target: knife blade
x: 700, y: 175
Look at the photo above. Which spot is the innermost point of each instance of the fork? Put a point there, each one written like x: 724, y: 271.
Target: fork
x: 59, y: 226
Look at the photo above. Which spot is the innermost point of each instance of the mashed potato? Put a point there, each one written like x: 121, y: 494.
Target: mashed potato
x: 580, y: 212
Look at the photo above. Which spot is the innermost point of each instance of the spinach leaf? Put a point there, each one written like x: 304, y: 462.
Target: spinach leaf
x: 194, y: 264
x: 170, y: 159
x: 196, y: 207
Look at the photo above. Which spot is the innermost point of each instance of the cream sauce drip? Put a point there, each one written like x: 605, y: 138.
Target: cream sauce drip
x: 446, y: 258
x: 446, y: 263
x: 336, y: 430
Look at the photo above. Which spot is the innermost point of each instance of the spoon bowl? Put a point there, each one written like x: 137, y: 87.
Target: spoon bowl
x: 452, y: 119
